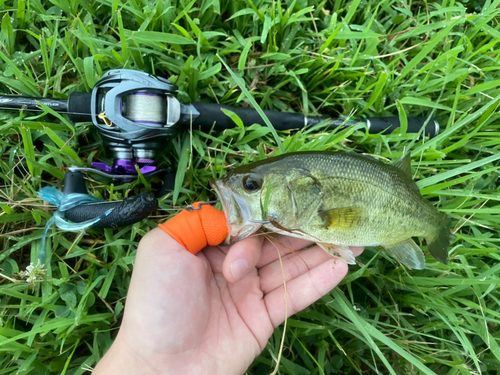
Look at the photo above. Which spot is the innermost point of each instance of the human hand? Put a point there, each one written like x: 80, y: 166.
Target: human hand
x: 213, y: 313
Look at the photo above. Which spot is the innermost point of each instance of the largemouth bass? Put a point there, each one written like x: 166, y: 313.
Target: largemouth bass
x: 337, y: 200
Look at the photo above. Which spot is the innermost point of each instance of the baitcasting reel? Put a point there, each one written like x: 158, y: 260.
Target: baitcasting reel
x: 135, y: 113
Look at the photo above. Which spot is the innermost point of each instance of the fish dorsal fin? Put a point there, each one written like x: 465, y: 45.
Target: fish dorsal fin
x: 404, y: 164
x: 408, y: 253
x: 339, y: 251
x: 343, y: 218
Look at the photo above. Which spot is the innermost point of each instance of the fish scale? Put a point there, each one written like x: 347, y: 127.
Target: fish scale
x: 336, y: 199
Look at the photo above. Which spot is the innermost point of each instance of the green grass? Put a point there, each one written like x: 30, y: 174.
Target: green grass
x: 336, y: 58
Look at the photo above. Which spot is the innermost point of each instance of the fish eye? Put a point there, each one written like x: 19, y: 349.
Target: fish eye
x: 251, y: 183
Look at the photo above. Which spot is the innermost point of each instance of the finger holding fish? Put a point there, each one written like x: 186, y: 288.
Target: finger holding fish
x: 292, y: 266
x: 242, y: 257
x: 304, y: 290
x: 257, y: 251
x: 263, y: 252
x: 277, y: 245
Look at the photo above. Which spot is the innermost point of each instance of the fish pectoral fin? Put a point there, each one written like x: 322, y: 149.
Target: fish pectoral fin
x: 280, y: 227
x: 339, y: 251
x: 408, y: 253
x: 341, y: 218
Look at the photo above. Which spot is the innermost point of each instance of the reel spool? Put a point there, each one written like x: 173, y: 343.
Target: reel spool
x: 134, y: 106
x: 145, y: 108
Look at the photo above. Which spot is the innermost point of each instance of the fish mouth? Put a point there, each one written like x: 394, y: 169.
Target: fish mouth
x: 239, y: 218
x: 223, y: 194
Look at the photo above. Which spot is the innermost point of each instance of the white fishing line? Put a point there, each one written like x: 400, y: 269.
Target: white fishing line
x: 280, y: 353
x: 146, y: 108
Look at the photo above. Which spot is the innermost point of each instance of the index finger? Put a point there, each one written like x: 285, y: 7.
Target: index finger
x: 304, y: 290
x: 276, y: 246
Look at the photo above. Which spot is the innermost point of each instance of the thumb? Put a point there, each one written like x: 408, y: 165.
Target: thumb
x: 197, y: 228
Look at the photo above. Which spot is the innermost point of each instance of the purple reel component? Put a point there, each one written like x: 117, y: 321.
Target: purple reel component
x: 125, y: 167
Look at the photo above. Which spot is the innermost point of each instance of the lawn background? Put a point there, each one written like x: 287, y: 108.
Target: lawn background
x: 366, y: 58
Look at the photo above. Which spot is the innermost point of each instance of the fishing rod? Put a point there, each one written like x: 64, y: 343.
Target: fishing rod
x: 137, y: 113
